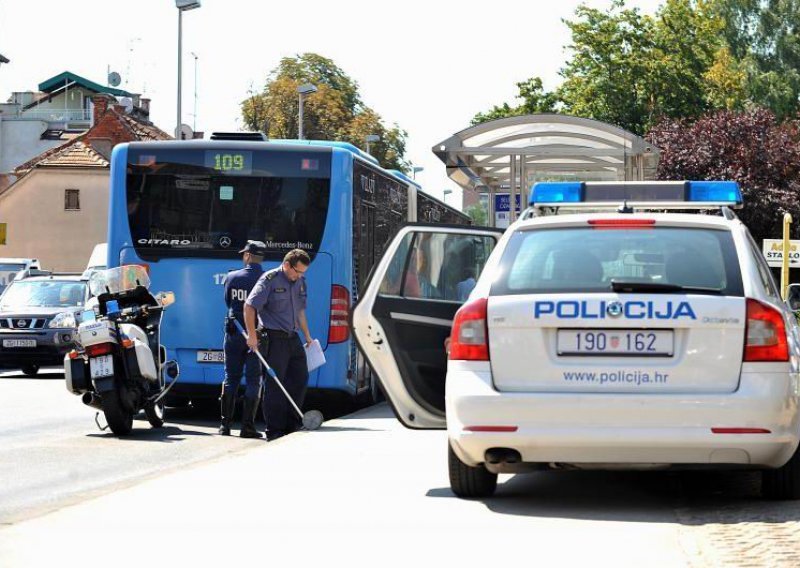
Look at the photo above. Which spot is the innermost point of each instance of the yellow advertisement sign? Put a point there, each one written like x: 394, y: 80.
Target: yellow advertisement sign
x: 2, y: 233
x: 773, y: 252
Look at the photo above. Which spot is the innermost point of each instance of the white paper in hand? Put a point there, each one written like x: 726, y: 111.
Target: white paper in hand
x: 315, y: 357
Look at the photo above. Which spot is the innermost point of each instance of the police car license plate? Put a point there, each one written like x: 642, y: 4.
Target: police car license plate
x: 210, y: 357
x: 19, y: 343
x: 620, y: 342
x: 102, y: 366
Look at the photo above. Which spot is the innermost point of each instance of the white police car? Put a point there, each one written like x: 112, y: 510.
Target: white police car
x: 630, y: 338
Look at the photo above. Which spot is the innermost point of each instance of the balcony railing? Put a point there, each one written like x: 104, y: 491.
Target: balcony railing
x: 57, y: 115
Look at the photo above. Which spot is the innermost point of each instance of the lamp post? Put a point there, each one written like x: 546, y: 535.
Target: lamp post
x: 182, y: 6
x: 303, y: 91
x: 194, y: 116
x: 414, y: 171
x: 371, y: 138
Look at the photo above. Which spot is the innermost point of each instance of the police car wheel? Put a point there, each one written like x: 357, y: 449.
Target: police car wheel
x: 467, y: 481
x: 783, y: 483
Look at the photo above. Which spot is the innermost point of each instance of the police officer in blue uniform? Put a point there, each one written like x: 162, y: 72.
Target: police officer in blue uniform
x: 279, y: 300
x: 238, y: 356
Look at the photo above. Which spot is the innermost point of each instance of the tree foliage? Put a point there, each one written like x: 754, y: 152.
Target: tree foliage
x: 751, y: 147
x: 334, y: 112
x: 534, y: 100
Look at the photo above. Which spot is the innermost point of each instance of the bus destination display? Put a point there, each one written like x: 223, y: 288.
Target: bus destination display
x: 230, y: 163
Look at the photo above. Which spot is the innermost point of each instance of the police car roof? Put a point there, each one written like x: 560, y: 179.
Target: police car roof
x: 662, y: 219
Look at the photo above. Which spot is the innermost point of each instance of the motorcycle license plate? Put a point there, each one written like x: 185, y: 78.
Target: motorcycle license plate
x: 102, y: 366
x: 210, y: 357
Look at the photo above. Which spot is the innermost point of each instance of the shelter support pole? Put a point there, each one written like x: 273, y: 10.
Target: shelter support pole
x: 491, y: 207
x: 787, y: 221
x: 512, y: 189
x: 523, y: 183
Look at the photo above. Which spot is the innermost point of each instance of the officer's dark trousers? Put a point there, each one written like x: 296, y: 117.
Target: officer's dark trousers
x: 287, y: 358
x: 238, y: 358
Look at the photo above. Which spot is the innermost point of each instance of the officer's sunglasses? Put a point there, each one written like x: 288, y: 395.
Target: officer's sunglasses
x: 299, y: 272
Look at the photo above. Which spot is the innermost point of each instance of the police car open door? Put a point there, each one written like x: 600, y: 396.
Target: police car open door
x: 405, y: 313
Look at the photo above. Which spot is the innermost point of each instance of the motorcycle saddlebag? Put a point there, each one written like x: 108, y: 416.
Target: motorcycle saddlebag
x: 76, y: 372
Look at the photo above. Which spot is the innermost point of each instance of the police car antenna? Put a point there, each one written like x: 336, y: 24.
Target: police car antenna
x: 624, y: 208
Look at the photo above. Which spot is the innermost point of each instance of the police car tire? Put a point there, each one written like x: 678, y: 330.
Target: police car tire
x: 30, y: 370
x: 783, y: 483
x: 119, y: 420
x: 467, y: 481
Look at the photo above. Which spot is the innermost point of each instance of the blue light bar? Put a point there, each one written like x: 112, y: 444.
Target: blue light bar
x: 715, y: 191
x: 556, y: 192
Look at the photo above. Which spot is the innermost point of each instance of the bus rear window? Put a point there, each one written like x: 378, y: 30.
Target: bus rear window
x: 214, y: 215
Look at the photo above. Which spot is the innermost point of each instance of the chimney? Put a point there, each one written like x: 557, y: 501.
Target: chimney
x: 100, y: 102
x: 145, y: 106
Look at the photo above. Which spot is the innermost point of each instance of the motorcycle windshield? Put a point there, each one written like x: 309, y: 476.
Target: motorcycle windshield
x: 120, y: 279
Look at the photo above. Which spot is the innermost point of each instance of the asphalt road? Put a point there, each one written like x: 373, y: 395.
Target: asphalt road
x: 361, y: 490
x: 52, y: 453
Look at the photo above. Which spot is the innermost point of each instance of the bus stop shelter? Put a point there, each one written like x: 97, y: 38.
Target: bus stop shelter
x: 509, y: 155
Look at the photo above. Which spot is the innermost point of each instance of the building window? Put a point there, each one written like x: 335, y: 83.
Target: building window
x: 72, y: 200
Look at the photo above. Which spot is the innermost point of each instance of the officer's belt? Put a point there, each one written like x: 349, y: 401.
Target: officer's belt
x: 280, y: 334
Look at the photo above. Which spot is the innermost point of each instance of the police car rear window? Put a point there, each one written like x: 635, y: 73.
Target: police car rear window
x: 583, y: 259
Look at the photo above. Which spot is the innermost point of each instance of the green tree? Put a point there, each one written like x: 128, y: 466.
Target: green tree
x: 334, y: 112
x: 631, y: 69
x: 534, y: 100
x: 764, y: 36
x: 478, y: 214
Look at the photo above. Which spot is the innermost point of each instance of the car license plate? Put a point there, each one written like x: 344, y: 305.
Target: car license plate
x: 210, y: 357
x: 102, y: 366
x: 19, y: 343
x: 619, y: 342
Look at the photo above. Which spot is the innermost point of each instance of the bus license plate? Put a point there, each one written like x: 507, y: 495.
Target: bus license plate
x: 210, y: 357
x: 102, y: 366
x: 19, y: 343
x: 625, y: 342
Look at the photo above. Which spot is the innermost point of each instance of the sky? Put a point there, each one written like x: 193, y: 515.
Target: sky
x: 428, y: 66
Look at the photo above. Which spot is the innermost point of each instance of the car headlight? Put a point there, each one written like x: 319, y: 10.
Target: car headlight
x: 64, y: 320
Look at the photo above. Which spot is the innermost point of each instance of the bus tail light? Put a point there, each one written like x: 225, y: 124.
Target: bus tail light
x: 765, y: 334
x: 340, y: 306
x: 470, y: 338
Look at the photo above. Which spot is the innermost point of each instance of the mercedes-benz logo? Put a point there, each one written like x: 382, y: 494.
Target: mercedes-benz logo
x: 22, y: 323
x: 225, y: 242
x: 614, y: 309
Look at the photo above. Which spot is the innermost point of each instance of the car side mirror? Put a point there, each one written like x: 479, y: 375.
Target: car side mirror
x: 165, y: 298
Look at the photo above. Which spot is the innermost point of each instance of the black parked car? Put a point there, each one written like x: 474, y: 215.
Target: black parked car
x: 37, y: 319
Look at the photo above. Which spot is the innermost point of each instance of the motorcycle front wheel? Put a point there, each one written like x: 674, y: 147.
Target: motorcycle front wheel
x: 119, y: 420
x: 155, y: 414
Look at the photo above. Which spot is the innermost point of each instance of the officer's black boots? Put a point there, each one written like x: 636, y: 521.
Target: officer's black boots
x: 227, y: 406
x: 249, y: 419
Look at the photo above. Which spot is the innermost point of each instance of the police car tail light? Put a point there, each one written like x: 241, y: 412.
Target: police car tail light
x: 340, y: 305
x: 765, y: 334
x: 99, y: 349
x: 621, y: 223
x: 469, y: 340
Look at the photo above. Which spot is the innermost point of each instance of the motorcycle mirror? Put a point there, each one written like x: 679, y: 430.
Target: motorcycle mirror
x: 166, y: 298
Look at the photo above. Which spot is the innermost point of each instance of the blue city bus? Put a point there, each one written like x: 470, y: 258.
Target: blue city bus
x: 184, y: 208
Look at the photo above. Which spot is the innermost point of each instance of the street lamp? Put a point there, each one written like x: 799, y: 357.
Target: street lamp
x: 371, y: 138
x: 416, y: 169
x: 182, y: 6
x: 303, y: 91
x: 194, y: 116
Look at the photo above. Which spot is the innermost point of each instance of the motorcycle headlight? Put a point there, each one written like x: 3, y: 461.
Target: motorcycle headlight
x: 64, y: 320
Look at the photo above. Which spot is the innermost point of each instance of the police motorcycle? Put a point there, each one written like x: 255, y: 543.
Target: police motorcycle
x: 118, y: 365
